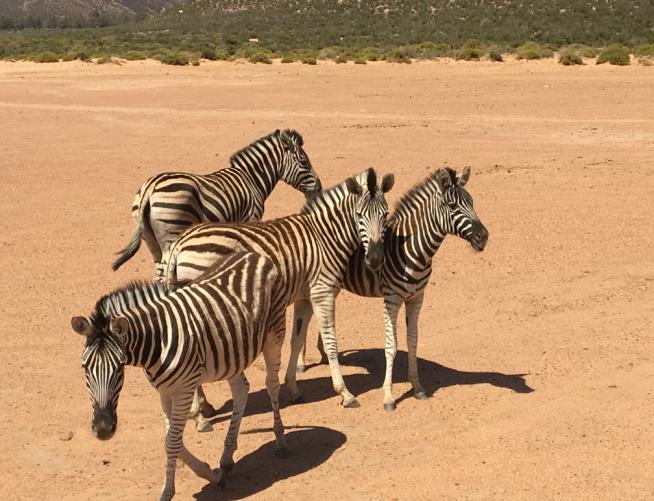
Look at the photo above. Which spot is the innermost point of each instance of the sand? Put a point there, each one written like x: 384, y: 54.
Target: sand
x: 537, y: 353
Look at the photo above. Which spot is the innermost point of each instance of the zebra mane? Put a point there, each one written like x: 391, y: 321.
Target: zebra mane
x: 334, y: 195
x: 273, y: 136
x: 132, y: 295
x: 415, y: 196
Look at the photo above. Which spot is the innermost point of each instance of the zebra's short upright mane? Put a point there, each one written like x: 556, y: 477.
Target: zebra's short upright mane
x: 272, y: 136
x: 325, y: 198
x: 134, y: 294
x: 427, y: 186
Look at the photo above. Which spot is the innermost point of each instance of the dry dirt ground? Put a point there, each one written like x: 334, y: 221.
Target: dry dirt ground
x: 537, y: 353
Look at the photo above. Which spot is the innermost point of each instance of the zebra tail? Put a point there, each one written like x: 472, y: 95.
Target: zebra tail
x: 132, y: 247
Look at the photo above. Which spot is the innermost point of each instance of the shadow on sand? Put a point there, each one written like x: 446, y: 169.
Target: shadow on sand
x: 309, y: 447
x: 432, y: 375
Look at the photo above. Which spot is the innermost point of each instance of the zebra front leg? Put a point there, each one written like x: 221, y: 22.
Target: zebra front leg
x: 412, y: 311
x: 239, y: 387
x: 391, y: 310
x: 272, y: 353
x: 176, y: 408
x: 323, y: 308
x: 200, y: 409
x: 302, y: 312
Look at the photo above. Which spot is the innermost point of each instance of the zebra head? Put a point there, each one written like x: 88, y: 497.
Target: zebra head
x: 371, y: 213
x: 457, y: 214
x: 295, y: 167
x: 103, y: 361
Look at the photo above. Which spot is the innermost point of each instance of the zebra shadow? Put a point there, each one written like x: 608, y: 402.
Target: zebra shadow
x: 433, y: 377
x: 309, y: 447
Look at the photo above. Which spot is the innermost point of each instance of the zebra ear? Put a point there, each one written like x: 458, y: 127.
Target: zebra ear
x: 387, y: 183
x: 443, y: 179
x: 353, y: 187
x: 286, y: 139
x: 81, y: 326
x: 465, y: 175
x: 119, y: 327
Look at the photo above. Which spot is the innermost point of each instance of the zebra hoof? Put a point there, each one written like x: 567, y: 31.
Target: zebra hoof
x: 281, y: 453
x: 207, y: 410
x: 301, y: 369
x: 421, y: 395
x: 226, y: 468
x: 204, y: 427
x: 389, y: 407
x: 351, y: 404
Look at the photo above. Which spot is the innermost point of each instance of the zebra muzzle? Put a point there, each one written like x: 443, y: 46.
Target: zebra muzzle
x: 375, y: 256
x: 104, y: 424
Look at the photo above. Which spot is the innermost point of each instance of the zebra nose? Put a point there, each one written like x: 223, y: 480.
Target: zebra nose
x: 374, y: 256
x: 103, y: 425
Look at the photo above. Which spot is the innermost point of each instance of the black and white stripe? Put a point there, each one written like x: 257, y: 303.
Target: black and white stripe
x: 168, y: 203
x: 434, y: 208
x: 207, y: 331
x: 310, y: 250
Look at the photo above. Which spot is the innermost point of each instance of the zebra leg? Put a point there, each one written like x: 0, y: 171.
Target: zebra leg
x: 412, y: 310
x: 301, y: 315
x: 240, y: 387
x: 391, y: 309
x: 200, y: 468
x: 272, y: 353
x: 200, y: 408
x: 176, y: 410
x: 323, y: 307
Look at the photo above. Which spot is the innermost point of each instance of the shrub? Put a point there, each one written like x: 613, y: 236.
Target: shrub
x: 472, y: 50
x: 432, y: 50
x: 495, y: 54
x: 107, y: 60
x: 360, y: 60
x: 341, y: 59
x: 369, y: 53
x: 614, y: 54
x: 584, y: 50
x: 569, y: 57
x: 134, y: 55
x: 309, y: 60
x: 222, y: 55
x: 260, y: 57
x: 208, y: 53
x: 397, y: 55
x: 532, y: 50
x: 45, y: 57
x: 288, y: 58
x: 644, y: 50
x: 329, y: 53
x: 174, y: 58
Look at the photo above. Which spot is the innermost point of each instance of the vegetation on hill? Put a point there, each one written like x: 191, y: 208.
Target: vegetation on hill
x: 346, y: 30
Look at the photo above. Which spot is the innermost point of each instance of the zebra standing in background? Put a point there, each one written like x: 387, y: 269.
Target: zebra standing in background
x: 207, y: 331
x: 434, y: 208
x: 310, y: 250
x: 168, y: 203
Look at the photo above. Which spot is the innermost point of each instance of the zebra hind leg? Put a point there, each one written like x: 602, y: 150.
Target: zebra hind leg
x: 239, y: 387
x: 302, y: 312
x: 272, y: 353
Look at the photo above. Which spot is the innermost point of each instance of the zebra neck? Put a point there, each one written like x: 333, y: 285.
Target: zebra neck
x: 259, y: 168
x: 337, y: 227
x: 144, y: 342
x: 420, y: 233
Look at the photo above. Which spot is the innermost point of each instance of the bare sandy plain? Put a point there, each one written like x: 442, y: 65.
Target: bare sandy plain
x: 537, y: 353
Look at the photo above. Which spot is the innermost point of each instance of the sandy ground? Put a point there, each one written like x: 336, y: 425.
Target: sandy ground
x: 537, y: 353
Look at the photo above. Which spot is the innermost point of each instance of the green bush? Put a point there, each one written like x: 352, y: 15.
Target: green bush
x: 568, y: 57
x: 432, y: 50
x: 329, y: 53
x: 397, y: 55
x: 532, y: 50
x: 309, y: 60
x: 106, y: 60
x: 644, y: 50
x: 584, y: 50
x: 471, y: 50
x: 208, y: 53
x: 134, y: 55
x: 174, y: 58
x: 369, y: 53
x: 495, y: 54
x: 260, y: 57
x: 360, y: 60
x: 341, y: 59
x: 614, y: 54
x: 288, y: 58
x: 45, y: 57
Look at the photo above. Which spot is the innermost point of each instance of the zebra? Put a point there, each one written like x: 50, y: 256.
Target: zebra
x: 207, y: 331
x: 168, y: 203
x: 311, y: 251
x: 434, y: 208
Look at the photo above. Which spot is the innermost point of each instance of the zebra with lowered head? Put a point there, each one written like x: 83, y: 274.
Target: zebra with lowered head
x: 207, y: 331
x: 310, y: 250
x: 168, y: 203
x: 424, y: 216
